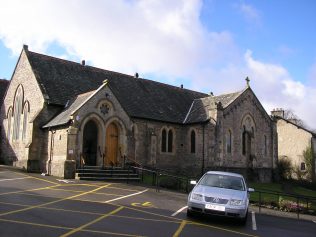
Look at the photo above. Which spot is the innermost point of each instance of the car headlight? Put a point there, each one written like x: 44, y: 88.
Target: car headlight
x: 236, y: 202
x: 196, y: 196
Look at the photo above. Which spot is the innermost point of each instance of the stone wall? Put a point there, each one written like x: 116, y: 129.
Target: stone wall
x: 292, y: 142
x: 16, y: 152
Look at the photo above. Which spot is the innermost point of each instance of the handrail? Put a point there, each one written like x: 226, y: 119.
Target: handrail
x: 286, y: 194
x: 134, y: 161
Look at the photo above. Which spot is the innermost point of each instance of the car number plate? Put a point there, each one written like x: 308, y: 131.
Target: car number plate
x: 214, y: 207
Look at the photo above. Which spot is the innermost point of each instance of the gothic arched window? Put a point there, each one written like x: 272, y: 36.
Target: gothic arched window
x: 9, y: 123
x: 166, y: 140
x: 25, y: 115
x: 17, y: 112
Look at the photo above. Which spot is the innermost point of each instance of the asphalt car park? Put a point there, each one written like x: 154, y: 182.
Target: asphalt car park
x: 35, y: 205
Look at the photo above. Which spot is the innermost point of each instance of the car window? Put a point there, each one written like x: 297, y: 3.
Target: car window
x: 223, y: 181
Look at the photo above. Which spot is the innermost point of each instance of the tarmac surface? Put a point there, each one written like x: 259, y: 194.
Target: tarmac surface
x: 35, y: 205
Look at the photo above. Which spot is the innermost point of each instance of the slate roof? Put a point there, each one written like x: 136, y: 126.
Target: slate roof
x: 198, y: 111
x: 64, y: 116
x: 3, y: 88
x: 227, y: 99
x: 62, y: 80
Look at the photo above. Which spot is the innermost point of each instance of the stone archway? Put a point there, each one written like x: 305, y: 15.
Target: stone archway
x: 111, y: 145
x: 90, y: 143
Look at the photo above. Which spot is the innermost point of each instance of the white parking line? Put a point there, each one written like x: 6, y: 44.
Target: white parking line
x: 314, y: 222
x: 133, y: 194
x: 254, y: 225
x: 180, y: 210
x: 14, y: 179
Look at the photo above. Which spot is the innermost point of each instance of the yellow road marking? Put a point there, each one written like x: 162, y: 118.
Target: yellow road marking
x: 145, y: 204
x: 28, y: 190
x: 179, y: 230
x: 76, y: 191
x: 67, y: 228
x: 1, y: 180
x: 219, y: 228
x: 92, y: 222
x: 36, y: 224
x: 52, y: 202
x: 48, y: 181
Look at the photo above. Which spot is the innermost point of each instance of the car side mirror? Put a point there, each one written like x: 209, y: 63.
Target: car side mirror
x: 251, y: 190
x: 193, y: 182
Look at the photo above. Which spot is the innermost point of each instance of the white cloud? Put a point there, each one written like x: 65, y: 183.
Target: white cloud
x: 249, y: 12
x: 164, y: 38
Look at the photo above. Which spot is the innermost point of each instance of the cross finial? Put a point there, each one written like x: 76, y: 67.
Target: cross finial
x: 247, y: 81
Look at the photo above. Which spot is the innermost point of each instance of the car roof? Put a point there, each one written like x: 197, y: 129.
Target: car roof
x: 224, y: 173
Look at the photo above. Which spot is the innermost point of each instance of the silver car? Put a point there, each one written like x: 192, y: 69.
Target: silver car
x: 220, y: 193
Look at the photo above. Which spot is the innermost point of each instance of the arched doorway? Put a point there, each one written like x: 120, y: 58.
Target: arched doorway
x: 111, y: 146
x: 90, y: 143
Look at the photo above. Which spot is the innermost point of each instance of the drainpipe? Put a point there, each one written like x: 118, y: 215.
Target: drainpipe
x: 203, y: 153
x: 51, y: 151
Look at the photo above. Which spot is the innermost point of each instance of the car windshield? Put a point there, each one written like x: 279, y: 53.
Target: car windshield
x: 223, y: 181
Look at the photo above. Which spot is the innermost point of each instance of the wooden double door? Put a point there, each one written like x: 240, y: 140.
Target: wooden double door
x: 111, y: 145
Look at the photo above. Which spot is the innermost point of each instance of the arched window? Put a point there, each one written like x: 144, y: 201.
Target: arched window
x: 244, y: 141
x: 170, y: 140
x: 9, y: 123
x: 192, y: 141
x: 25, y: 115
x: 164, y: 140
x: 229, y: 142
x: 17, y: 111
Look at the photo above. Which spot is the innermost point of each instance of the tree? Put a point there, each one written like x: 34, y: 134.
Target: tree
x: 308, y: 159
x: 291, y: 116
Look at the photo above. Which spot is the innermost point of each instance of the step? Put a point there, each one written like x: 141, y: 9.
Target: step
x: 126, y: 175
x: 109, y: 179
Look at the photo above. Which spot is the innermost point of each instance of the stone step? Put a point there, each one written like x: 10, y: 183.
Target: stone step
x: 126, y: 175
x: 121, y: 179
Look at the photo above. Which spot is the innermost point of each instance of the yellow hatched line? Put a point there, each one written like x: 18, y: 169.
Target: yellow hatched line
x: 66, y: 228
x: 52, y: 202
x: 179, y: 230
x: 219, y: 228
x: 29, y: 190
x: 92, y: 222
x: 76, y: 191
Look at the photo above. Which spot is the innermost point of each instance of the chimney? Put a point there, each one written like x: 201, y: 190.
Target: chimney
x: 181, y: 86
x: 83, y: 62
x: 136, y: 75
x: 211, y: 93
x: 25, y: 47
x: 278, y: 112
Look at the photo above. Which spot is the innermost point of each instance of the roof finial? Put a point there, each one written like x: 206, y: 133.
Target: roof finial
x: 247, y: 81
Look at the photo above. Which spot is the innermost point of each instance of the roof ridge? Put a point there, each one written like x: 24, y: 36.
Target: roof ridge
x: 114, y: 72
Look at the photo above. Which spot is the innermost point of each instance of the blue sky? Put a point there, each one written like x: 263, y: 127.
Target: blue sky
x: 209, y: 45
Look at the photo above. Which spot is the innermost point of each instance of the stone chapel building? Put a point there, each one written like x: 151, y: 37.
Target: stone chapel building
x: 58, y: 114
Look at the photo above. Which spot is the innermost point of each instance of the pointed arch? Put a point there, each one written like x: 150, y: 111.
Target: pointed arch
x: 26, y: 111
x: 17, y: 111
x: 9, y: 117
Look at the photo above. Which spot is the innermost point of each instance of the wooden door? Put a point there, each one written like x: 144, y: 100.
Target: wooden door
x: 111, y: 146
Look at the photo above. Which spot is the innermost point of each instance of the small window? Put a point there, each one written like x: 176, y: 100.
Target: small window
x: 303, y: 166
x: 60, y: 137
x: 229, y: 142
x: 25, y: 115
x: 192, y: 141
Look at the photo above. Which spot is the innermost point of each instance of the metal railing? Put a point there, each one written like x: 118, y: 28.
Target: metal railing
x: 162, y: 179
x: 298, y: 204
